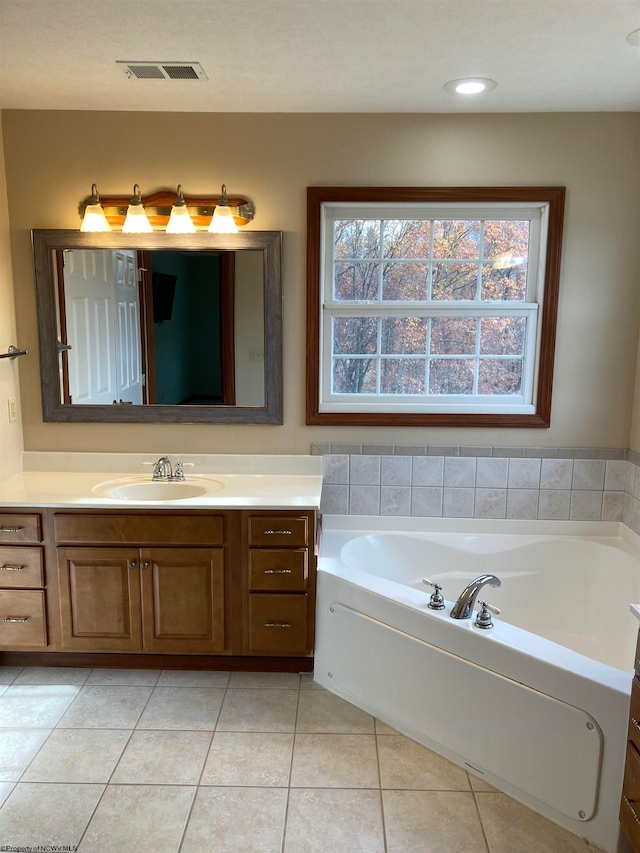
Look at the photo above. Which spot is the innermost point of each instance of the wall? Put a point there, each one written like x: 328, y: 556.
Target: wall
x: 271, y: 159
x: 10, y: 433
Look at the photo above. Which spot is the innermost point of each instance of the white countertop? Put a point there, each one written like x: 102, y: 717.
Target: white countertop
x: 78, y: 480
x: 635, y: 609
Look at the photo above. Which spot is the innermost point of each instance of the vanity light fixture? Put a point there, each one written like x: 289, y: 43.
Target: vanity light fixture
x: 470, y: 86
x: 94, y: 218
x: 222, y: 221
x: 172, y: 212
x: 180, y: 222
x: 136, y: 221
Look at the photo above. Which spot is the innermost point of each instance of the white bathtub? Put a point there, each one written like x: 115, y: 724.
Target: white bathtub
x: 538, y: 704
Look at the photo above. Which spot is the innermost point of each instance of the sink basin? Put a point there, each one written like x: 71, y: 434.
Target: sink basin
x: 136, y: 489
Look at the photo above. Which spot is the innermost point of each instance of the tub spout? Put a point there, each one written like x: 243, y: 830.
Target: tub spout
x: 463, y: 608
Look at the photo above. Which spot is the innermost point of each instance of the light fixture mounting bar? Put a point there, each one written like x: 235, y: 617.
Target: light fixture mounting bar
x: 158, y: 208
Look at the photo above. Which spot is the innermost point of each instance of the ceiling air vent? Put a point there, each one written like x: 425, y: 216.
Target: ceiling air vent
x: 162, y: 70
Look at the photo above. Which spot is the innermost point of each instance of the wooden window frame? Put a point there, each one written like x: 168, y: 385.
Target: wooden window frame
x: 554, y: 197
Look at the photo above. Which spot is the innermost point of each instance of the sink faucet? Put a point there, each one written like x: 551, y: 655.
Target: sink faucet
x: 163, y: 469
x: 463, y: 608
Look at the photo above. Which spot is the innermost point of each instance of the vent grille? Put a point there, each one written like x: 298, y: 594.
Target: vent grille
x: 163, y: 70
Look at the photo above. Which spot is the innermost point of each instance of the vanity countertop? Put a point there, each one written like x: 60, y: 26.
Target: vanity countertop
x: 635, y: 609
x: 241, y: 481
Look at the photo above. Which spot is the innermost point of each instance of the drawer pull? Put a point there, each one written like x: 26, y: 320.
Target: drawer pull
x: 12, y: 568
x: 636, y: 723
x: 278, y: 533
x: 635, y: 814
x: 16, y: 618
x: 277, y: 624
x: 10, y: 529
x: 278, y: 572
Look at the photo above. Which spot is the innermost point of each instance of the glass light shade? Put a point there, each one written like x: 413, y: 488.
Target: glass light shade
x: 222, y: 221
x: 180, y: 222
x: 94, y: 219
x: 136, y: 221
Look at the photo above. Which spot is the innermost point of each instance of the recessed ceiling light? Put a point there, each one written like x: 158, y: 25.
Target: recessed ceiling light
x: 634, y: 38
x: 470, y: 86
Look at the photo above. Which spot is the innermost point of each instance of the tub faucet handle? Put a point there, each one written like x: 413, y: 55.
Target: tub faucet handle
x: 483, y: 619
x: 436, y: 602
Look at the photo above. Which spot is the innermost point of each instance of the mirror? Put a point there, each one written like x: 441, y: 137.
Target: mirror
x: 160, y: 328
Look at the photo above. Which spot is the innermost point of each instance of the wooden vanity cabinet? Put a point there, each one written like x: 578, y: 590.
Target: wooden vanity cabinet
x: 630, y: 803
x: 23, y: 623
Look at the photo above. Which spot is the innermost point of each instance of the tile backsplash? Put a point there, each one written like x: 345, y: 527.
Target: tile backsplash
x: 581, y: 484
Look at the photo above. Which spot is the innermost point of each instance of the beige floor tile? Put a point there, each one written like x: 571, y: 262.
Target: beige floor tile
x: 78, y: 755
x: 321, y: 711
x: 334, y: 761
x: 479, y: 784
x: 307, y: 682
x: 434, y: 822
x: 34, y: 814
x: 230, y: 820
x: 406, y: 764
x: 103, y: 707
x: 9, y: 673
x: 183, y: 709
x: 192, y: 678
x: 511, y: 826
x: 163, y: 758
x: 384, y: 729
x: 53, y: 675
x: 250, y: 710
x: 249, y: 758
x: 17, y: 748
x: 340, y: 821
x: 5, y: 789
x: 143, y: 677
x: 139, y: 819
x: 35, y: 706
x: 277, y: 680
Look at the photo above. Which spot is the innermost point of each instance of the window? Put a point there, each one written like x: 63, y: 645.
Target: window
x: 432, y: 306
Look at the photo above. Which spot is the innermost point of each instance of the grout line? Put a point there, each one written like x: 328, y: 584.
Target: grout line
x: 293, y: 748
x: 380, y: 798
x: 475, y: 801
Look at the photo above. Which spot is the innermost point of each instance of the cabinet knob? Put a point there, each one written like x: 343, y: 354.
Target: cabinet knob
x: 16, y: 618
x: 131, y: 564
x: 144, y: 565
x: 12, y: 568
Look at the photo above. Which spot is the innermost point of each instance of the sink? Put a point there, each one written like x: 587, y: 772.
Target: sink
x: 138, y: 489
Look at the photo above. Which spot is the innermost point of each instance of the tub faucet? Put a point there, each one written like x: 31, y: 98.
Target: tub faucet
x: 463, y: 608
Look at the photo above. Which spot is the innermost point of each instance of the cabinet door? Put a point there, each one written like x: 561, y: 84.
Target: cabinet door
x: 183, y: 599
x: 100, y: 599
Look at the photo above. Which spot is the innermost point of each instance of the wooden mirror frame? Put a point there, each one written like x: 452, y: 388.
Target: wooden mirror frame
x: 46, y: 242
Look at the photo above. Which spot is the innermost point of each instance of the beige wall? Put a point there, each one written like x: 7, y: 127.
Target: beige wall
x: 53, y: 157
x: 10, y: 433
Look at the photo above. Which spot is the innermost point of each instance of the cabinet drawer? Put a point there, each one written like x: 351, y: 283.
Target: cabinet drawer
x: 630, y: 804
x: 278, y: 570
x: 278, y: 531
x: 20, y: 528
x: 278, y: 624
x: 156, y: 529
x: 21, y: 567
x: 22, y: 618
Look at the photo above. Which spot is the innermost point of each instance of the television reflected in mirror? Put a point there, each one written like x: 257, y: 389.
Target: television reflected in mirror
x: 160, y: 328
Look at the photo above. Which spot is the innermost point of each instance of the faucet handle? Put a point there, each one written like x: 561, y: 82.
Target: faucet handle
x: 436, y: 602
x: 483, y: 619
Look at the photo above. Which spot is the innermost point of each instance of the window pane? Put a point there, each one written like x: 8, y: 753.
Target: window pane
x: 451, y: 376
x: 504, y: 282
x: 402, y: 376
x: 355, y: 335
x: 502, y: 335
x: 453, y: 335
x: 405, y: 281
x: 503, y: 376
x: 354, y: 376
x: 356, y: 282
x: 404, y: 335
x: 505, y: 240
x: 356, y: 238
x: 406, y: 238
x: 456, y: 238
x: 454, y: 281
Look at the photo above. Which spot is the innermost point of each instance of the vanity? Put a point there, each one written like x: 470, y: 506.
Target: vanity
x: 100, y: 567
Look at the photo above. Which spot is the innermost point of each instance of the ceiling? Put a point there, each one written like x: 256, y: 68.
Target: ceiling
x: 321, y: 55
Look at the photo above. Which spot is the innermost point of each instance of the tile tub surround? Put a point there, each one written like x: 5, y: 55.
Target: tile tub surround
x: 309, y: 773
x: 578, y: 484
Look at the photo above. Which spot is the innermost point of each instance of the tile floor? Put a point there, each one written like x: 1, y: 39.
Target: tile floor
x: 214, y: 762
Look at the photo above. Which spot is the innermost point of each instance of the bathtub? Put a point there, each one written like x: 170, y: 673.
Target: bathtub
x: 537, y: 705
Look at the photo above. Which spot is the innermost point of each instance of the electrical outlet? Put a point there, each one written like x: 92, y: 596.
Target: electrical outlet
x: 13, y: 409
x: 256, y: 354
